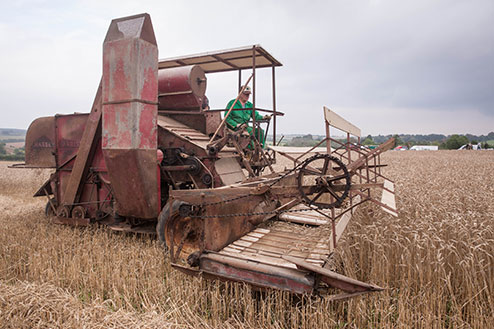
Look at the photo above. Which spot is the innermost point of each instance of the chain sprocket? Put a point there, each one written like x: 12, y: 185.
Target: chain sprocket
x: 330, y: 180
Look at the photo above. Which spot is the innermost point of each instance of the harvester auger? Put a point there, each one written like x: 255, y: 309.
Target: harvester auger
x: 152, y: 157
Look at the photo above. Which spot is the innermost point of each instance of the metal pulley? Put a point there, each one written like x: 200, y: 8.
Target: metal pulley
x: 181, y: 88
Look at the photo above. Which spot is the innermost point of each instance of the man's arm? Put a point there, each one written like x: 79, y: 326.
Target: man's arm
x: 257, y: 115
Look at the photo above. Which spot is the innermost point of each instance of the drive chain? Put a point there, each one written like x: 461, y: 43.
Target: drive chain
x: 261, y: 213
x: 247, y: 195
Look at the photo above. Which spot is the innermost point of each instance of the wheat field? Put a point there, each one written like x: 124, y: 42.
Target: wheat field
x: 435, y: 260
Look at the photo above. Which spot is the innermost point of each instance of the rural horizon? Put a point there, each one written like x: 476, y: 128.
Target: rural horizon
x: 6, y: 131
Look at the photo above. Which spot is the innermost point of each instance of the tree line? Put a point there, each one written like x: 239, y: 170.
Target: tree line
x: 450, y: 142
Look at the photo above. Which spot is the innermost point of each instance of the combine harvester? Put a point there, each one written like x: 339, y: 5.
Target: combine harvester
x: 152, y: 157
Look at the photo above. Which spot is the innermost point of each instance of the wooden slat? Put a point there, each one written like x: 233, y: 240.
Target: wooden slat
x: 388, y: 198
x: 338, y: 122
x: 265, y: 243
x: 281, y: 240
x: 292, y: 236
x: 303, y: 220
x: 262, y: 259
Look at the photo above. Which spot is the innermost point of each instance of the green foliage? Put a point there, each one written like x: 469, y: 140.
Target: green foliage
x: 11, y: 157
x: 398, y: 140
x: 2, y: 149
x: 19, y: 151
x: 368, y: 141
x: 455, y: 141
x: 303, y: 141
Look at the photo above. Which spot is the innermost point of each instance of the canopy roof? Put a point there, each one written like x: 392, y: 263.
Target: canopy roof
x: 224, y: 60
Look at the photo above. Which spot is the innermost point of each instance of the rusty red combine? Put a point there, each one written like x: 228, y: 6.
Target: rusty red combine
x: 151, y: 156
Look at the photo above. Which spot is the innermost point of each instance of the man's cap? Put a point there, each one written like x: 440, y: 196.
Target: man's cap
x: 246, y: 90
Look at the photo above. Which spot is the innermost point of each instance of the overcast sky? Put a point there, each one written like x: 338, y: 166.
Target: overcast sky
x: 416, y: 67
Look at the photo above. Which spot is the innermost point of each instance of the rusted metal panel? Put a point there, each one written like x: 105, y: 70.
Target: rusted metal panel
x: 257, y: 274
x: 218, y: 230
x: 213, y: 120
x: 129, y: 131
x: 69, y: 131
x: 229, y: 170
x: 130, y: 125
x: 334, y: 279
x: 133, y: 189
x: 40, y: 143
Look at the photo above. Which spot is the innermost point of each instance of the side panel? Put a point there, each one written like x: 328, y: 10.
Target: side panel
x: 40, y: 143
x: 129, y: 131
x: 69, y: 130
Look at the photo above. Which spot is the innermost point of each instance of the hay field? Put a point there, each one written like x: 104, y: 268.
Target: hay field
x: 435, y: 259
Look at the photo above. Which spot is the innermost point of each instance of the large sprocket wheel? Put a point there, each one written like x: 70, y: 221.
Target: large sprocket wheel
x: 329, y: 180
x: 177, y: 227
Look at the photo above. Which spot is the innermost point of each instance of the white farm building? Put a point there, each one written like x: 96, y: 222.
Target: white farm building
x: 424, y: 148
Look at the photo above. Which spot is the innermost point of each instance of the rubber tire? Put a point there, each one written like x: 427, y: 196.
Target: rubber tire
x: 48, y: 211
x: 170, y: 209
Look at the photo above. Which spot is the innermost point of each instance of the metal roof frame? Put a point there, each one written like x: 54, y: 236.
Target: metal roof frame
x: 225, y: 60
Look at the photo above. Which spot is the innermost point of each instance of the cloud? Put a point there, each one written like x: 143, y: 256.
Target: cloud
x: 377, y: 63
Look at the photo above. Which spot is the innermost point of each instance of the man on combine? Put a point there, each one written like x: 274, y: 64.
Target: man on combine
x: 238, y: 119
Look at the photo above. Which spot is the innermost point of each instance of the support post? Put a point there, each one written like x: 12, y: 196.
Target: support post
x: 274, y: 108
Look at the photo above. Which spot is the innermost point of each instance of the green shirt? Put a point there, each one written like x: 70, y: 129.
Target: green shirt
x: 236, y: 118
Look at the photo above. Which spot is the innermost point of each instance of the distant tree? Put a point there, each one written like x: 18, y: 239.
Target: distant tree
x: 2, y: 149
x: 398, y: 140
x: 306, y: 140
x: 455, y: 141
x: 19, y: 151
x: 368, y: 141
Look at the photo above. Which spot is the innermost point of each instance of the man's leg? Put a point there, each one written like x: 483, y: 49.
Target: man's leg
x: 251, y: 144
x: 259, y: 135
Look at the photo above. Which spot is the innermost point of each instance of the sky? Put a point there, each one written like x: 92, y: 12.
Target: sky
x: 412, y: 67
